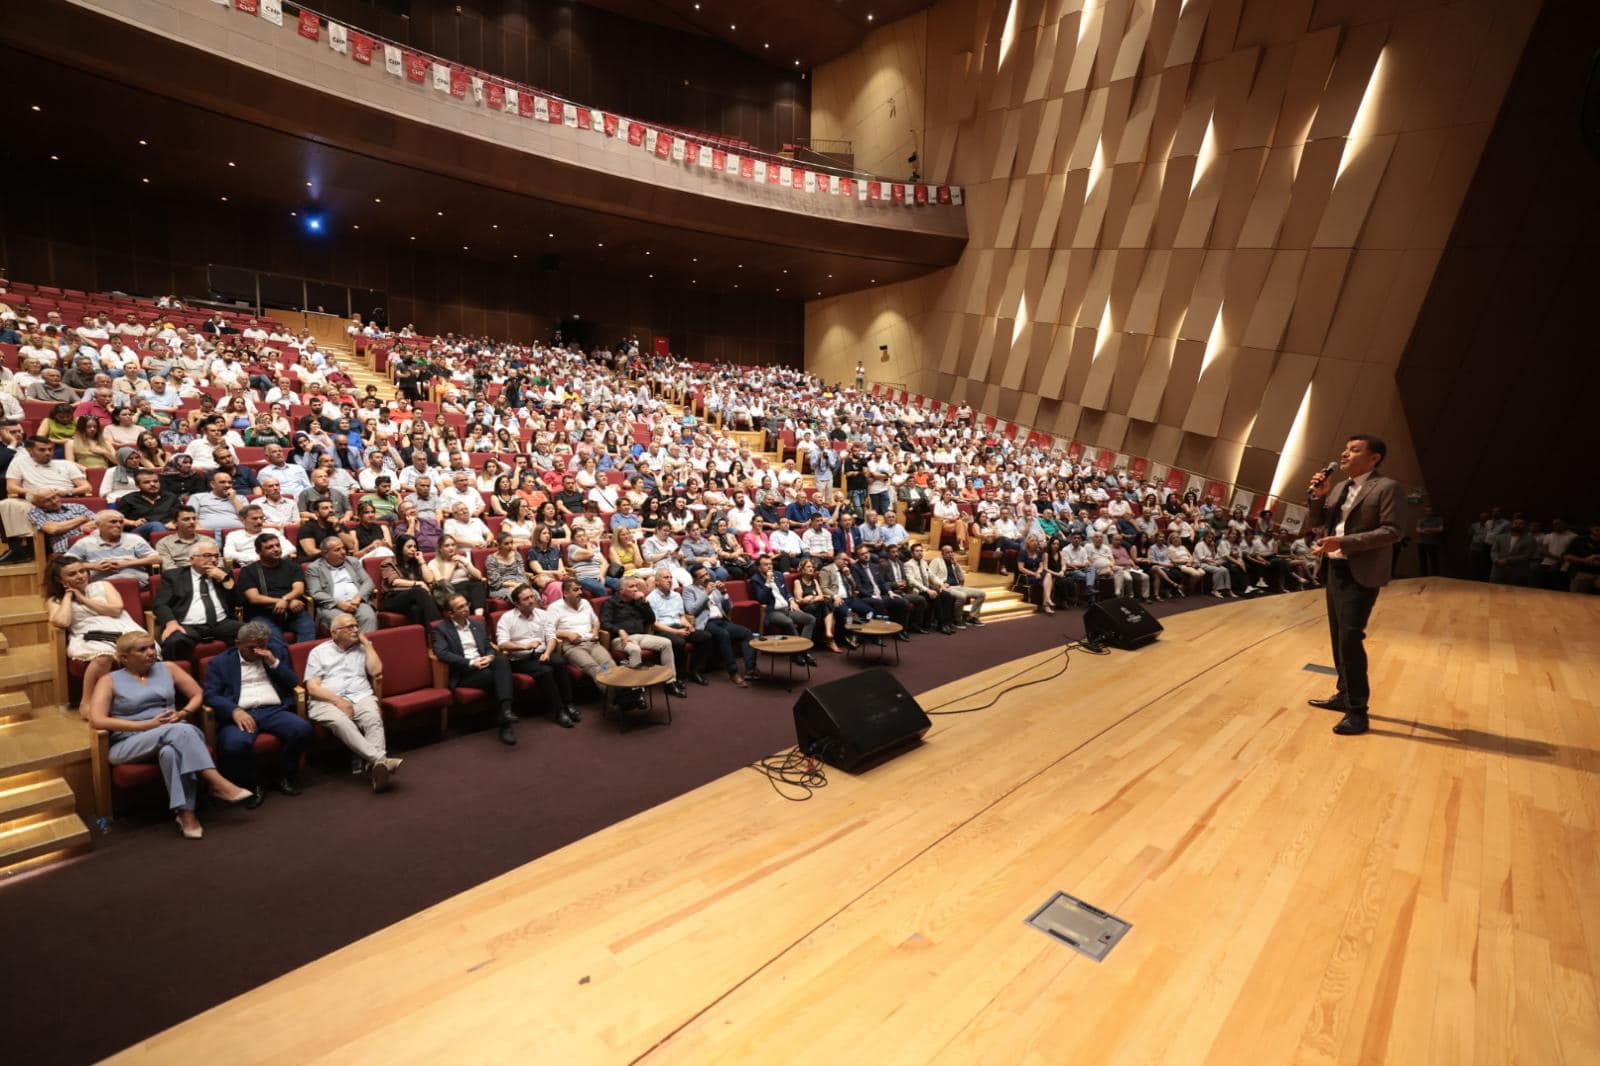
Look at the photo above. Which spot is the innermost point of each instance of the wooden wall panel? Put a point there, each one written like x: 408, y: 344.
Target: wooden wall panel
x: 1185, y: 164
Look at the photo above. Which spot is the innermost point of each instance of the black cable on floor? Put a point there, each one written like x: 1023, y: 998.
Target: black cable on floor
x: 793, y: 769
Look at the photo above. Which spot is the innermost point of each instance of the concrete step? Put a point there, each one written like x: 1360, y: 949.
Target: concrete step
x: 43, y: 840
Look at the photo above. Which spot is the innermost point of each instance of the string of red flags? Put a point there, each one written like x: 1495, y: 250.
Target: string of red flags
x: 524, y: 103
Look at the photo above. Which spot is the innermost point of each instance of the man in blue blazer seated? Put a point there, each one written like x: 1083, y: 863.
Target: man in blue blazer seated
x: 461, y: 642
x: 250, y: 690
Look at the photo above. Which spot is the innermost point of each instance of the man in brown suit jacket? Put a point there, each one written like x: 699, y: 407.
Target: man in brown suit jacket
x: 1361, y: 519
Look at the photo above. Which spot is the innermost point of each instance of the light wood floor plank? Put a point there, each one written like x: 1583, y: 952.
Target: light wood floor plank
x: 1429, y: 893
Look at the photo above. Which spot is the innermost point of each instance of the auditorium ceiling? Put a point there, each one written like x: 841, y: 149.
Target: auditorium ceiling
x: 797, y: 33
x: 85, y: 125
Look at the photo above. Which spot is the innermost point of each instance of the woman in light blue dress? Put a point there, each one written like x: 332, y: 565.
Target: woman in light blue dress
x: 138, y: 706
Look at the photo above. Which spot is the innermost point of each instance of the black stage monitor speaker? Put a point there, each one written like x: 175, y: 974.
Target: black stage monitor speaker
x: 858, y: 721
x: 1121, y: 623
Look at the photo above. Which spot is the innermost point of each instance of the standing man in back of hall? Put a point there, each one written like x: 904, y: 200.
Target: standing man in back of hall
x: 1361, y: 520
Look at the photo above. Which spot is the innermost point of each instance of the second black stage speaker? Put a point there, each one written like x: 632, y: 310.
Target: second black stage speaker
x: 1121, y: 623
x: 858, y: 721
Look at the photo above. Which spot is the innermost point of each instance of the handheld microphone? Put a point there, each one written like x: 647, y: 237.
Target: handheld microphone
x: 1327, y: 472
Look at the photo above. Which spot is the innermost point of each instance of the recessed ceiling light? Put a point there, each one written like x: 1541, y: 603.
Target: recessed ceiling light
x: 145, y: 180
x: 694, y: 281
x: 494, y: 225
x: 56, y: 158
x: 308, y: 185
x: 357, y: 226
x: 869, y: 16
x: 513, y: 255
x: 439, y: 213
x: 872, y: 281
x: 413, y: 238
x: 741, y: 266
x: 143, y: 142
x: 599, y: 244
x: 736, y: 284
x: 377, y: 199
x: 696, y: 7
x: 224, y: 199
x: 36, y: 107
x: 649, y: 275
x: 694, y: 260
x: 830, y: 277
x: 764, y: 44
x: 731, y: 26
x: 786, y: 270
x: 465, y: 248
x: 230, y: 162
x: 647, y: 253
x: 549, y: 234
x: 797, y: 62
x: 294, y: 214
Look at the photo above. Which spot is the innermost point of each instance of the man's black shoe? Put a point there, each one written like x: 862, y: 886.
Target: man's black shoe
x: 286, y: 786
x: 1353, y: 724
x: 1332, y: 703
x: 508, y: 733
x: 676, y: 689
x: 903, y: 636
x: 564, y: 720
x: 948, y: 630
x: 698, y: 678
x: 257, y: 798
x: 575, y: 714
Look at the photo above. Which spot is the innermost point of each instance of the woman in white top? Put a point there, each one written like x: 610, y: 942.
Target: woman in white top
x: 1183, y: 561
x: 93, y: 616
x: 453, y: 566
x: 1205, y: 557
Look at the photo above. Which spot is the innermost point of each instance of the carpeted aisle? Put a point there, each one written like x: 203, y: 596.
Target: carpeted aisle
x: 149, y: 929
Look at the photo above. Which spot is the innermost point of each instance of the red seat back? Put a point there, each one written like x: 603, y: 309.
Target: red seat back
x: 404, y: 651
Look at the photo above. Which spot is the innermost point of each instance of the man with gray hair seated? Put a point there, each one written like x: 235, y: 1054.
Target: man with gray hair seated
x: 339, y: 583
x: 340, y: 677
x: 250, y: 690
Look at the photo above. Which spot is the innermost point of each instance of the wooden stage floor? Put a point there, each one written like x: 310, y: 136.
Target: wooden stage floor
x: 1428, y: 893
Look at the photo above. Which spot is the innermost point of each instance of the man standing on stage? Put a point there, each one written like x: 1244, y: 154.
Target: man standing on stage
x: 1362, y: 521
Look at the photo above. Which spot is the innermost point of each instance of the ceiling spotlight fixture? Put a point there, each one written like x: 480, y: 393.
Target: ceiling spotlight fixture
x: 55, y: 159
x: 145, y: 180
x: 224, y: 199
x: 764, y: 44
x: 549, y: 234
x: 294, y: 214
x: 830, y: 277
x: 599, y: 244
x: 230, y: 162
x: 647, y: 253
x: 731, y: 26
x: 736, y: 284
x: 494, y: 225
x: 36, y: 107
x: 465, y: 248
x: 697, y: 7
x: 786, y: 270
x: 143, y: 142
x: 693, y: 259
x: 439, y: 213
x: 513, y: 255
x: 377, y: 199
x: 413, y: 238
x: 869, y: 16
x: 649, y: 275
x: 356, y: 226
x: 308, y: 185
x: 797, y: 62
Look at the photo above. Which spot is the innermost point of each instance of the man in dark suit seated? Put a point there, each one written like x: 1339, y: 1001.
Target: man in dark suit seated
x: 769, y: 589
x: 462, y: 644
x: 250, y: 690
x: 873, y: 586
x: 196, y: 604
